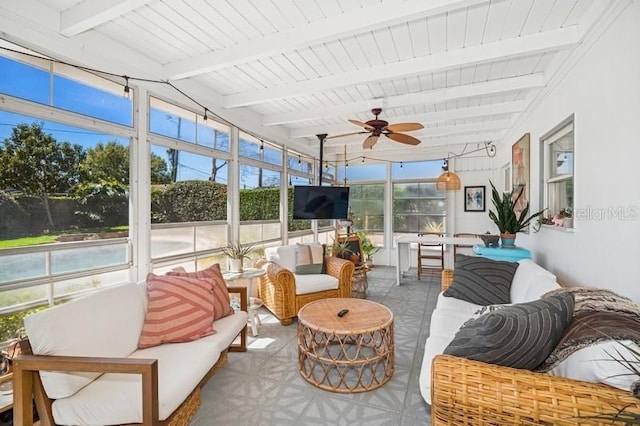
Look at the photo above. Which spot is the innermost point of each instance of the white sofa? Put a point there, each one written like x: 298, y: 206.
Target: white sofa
x: 586, y: 384
x: 107, y: 324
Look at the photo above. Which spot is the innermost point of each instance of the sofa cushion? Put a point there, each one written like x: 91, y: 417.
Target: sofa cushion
x: 116, y: 398
x: 180, y: 309
x: 600, y: 363
x: 481, y: 280
x: 530, y: 282
x: 284, y: 256
x: 520, y: 336
x: 306, y: 284
x: 221, y: 299
x: 79, y: 327
x: 309, y: 259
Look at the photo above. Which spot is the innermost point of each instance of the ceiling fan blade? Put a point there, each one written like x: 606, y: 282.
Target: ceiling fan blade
x: 402, y: 138
x: 345, y: 134
x: 404, y: 127
x: 361, y: 124
x: 370, y: 141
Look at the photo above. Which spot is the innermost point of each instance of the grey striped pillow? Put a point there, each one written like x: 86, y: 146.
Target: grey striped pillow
x: 520, y: 336
x: 482, y: 281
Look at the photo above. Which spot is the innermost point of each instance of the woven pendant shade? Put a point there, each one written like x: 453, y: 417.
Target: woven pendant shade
x: 448, y: 181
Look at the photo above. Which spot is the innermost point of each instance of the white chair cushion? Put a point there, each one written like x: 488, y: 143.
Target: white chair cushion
x: 106, y: 323
x: 312, y: 283
x: 530, y: 282
x: 446, y: 322
x: 117, y: 398
x: 284, y: 256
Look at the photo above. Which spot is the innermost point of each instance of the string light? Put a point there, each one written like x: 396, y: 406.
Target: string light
x: 363, y: 160
x: 205, y: 115
x: 401, y: 164
x: 127, y: 90
x: 261, y: 145
x: 326, y: 164
x: 299, y: 160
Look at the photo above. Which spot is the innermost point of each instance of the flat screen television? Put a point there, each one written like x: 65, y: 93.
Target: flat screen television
x: 320, y: 202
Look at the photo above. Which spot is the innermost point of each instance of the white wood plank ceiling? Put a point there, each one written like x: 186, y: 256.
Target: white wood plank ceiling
x: 290, y: 69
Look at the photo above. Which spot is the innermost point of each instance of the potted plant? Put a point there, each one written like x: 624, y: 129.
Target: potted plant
x: 368, y: 249
x: 341, y: 249
x: 509, y: 223
x: 236, y: 253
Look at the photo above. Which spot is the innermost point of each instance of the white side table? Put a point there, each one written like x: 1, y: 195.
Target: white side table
x: 248, y: 274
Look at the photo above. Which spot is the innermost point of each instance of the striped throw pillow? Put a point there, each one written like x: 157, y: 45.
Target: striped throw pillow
x: 222, y: 301
x: 520, y: 336
x: 482, y: 281
x: 180, y: 309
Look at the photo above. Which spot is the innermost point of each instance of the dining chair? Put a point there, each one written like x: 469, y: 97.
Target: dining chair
x: 463, y: 246
x: 430, y: 252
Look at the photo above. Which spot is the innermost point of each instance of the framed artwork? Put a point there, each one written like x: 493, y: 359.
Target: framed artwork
x: 474, y: 198
x: 520, y: 168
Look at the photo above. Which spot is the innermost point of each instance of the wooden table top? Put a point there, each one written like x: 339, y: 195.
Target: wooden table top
x: 363, y: 316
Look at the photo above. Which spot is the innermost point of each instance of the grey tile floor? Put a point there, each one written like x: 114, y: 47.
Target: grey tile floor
x: 263, y: 387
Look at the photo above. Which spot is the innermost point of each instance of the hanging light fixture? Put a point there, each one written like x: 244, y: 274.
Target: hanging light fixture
x: 447, y: 181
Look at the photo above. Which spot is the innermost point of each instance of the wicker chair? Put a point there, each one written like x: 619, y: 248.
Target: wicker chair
x: 467, y: 392
x: 459, y: 246
x: 277, y: 288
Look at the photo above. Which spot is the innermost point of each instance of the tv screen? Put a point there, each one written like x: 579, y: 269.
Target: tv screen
x: 320, y: 202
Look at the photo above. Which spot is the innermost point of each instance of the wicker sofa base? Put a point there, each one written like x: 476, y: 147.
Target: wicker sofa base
x: 467, y: 392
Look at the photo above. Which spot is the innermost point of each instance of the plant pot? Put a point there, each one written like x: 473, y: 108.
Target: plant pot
x: 567, y: 222
x: 508, y: 240
x: 235, y: 265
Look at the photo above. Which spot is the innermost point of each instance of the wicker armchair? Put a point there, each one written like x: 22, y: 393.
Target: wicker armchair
x: 277, y: 288
x: 467, y: 392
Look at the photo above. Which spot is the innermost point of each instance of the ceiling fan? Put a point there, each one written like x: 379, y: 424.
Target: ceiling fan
x: 379, y: 127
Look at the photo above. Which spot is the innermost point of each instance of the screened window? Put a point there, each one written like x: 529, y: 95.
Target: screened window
x: 418, y: 207
x: 366, y: 205
x: 558, y: 146
x: 257, y: 149
x: 179, y: 123
x: 66, y: 88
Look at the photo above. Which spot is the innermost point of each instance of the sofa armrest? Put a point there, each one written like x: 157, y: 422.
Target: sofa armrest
x: 447, y: 278
x: 343, y: 270
x: 277, y: 289
x: 463, y: 389
x: 244, y: 304
x: 27, y: 366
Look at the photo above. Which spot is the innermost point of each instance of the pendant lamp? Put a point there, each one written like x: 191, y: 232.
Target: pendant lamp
x: 447, y: 181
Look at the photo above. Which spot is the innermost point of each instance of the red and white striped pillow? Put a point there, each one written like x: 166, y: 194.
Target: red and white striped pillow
x: 180, y: 309
x: 222, y: 302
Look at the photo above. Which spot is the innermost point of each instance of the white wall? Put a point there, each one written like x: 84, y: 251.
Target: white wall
x: 603, y: 91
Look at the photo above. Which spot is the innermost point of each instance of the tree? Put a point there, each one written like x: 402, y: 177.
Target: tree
x: 110, y: 162
x: 35, y: 163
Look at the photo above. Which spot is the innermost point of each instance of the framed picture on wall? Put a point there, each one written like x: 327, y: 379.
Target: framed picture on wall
x: 520, y: 171
x: 474, y: 198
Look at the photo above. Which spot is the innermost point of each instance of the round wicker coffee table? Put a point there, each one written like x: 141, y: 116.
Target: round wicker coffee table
x: 349, y: 353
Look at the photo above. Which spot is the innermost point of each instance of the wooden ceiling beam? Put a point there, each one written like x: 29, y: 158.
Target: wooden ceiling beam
x: 485, y: 53
x: 352, y: 22
x: 92, y: 13
x: 431, y: 97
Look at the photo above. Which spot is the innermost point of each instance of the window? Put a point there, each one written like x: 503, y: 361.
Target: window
x: 418, y: 206
x: 558, y: 164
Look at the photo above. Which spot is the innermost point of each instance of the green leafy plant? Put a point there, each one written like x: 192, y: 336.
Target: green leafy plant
x: 341, y: 248
x: 368, y: 249
x: 505, y: 216
x: 237, y: 251
x: 434, y: 227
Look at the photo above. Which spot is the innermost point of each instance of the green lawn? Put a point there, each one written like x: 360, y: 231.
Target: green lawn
x: 51, y: 238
